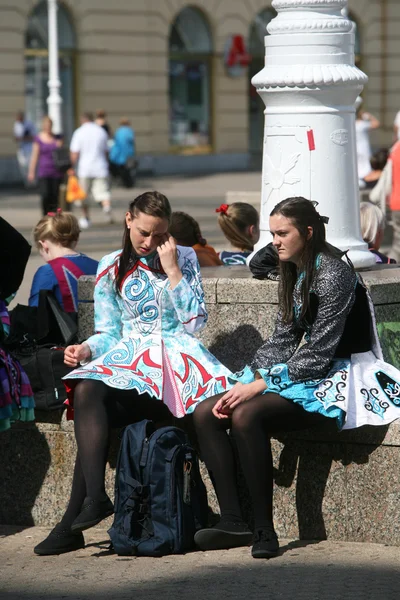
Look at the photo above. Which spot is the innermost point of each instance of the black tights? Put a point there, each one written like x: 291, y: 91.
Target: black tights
x: 97, y: 408
x: 251, y: 425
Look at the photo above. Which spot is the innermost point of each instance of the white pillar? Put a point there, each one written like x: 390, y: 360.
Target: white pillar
x: 54, y: 99
x: 309, y: 86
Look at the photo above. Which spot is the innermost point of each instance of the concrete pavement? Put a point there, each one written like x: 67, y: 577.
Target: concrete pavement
x: 304, y: 571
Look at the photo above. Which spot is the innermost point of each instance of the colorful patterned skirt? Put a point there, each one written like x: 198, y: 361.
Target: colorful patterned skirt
x: 16, y: 396
x: 364, y: 390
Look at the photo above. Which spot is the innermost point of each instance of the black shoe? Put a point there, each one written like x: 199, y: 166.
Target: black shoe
x: 265, y: 543
x: 93, y: 511
x: 224, y: 535
x: 60, y: 540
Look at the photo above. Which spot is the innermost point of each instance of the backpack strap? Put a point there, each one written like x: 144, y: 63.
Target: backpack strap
x: 60, y: 266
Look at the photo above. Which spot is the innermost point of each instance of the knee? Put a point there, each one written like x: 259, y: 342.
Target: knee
x: 243, y: 419
x: 83, y: 395
x: 203, y: 415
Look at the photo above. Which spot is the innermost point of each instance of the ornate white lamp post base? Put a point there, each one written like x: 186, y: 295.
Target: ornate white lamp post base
x: 309, y: 86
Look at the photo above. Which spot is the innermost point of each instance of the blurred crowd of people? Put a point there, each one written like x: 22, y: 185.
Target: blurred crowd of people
x: 95, y: 154
x: 379, y: 183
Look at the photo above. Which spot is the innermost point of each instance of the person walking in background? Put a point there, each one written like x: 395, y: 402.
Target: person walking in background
x: 396, y: 128
x: 122, y: 153
x: 90, y: 152
x: 24, y: 132
x: 186, y: 231
x: 101, y: 121
x: 391, y: 190
x: 364, y: 123
x: 43, y: 168
x: 378, y: 162
x: 240, y: 225
x: 386, y: 194
x: 56, y: 236
x: 372, y: 230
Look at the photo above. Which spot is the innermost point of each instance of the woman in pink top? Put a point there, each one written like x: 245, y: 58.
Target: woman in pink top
x: 48, y: 176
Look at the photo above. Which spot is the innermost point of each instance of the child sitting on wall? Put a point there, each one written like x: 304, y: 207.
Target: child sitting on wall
x: 186, y: 230
x: 240, y: 225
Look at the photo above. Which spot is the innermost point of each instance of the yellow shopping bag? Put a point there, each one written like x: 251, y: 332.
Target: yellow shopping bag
x: 74, y: 190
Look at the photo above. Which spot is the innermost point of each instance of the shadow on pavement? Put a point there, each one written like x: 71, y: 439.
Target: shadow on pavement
x: 270, y: 580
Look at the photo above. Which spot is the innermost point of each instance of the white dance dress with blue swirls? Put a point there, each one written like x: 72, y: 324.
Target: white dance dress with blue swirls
x: 144, y: 338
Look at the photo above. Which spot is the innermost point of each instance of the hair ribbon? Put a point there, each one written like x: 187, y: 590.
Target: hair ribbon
x: 53, y: 214
x: 222, y: 209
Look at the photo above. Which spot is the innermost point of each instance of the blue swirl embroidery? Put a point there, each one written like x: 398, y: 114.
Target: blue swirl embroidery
x: 140, y: 292
x: 121, y: 355
x: 191, y: 275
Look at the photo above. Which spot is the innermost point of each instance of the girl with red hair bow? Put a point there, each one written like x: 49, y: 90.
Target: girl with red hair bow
x: 240, y: 225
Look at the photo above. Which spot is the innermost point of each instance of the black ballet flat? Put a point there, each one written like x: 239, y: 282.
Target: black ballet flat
x: 224, y: 535
x: 93, y: 511
x: 59, y: 541
x: 265, y: 543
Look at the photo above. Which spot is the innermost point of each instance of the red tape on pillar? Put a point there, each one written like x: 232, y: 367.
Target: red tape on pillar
x: 310, y: 138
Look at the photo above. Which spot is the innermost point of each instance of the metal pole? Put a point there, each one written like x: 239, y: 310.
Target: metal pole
x: 54, y: 100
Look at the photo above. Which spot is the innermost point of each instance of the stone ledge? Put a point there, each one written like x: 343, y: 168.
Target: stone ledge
x: 383, y: 284
x: 389, y: 435
x: 235, y: 284
x: 323, y: 488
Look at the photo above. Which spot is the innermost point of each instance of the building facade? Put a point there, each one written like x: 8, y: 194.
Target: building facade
x: 179, y: 71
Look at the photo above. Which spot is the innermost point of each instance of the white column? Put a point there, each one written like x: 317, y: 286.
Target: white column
x: 309, y: 86
x: 54, y: 100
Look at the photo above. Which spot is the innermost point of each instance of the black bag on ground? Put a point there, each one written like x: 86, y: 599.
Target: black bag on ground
x: 160, y: 498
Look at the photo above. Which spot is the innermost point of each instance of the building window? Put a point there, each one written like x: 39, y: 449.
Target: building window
x: 37, y: 66
x: 190, y: 52
x: 258, y: 31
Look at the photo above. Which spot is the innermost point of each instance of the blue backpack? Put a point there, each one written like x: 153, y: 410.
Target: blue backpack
x: 160, y: 498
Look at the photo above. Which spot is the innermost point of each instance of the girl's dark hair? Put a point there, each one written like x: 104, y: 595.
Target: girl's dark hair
x: 379, y: 159
x: 234, y: 222
x: 302, y: 214
x: 185, y: 229
x: 153, y: 204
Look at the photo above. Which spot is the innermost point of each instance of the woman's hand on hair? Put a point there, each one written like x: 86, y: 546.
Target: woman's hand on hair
x: 169, y: 259
x: 77, y: 353
x: 241, y: 392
